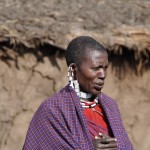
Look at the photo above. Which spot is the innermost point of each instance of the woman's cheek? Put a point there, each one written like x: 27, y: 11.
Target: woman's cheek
x: 91, y: 74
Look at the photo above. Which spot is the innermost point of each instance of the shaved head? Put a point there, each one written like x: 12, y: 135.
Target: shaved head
x: 80, y: 47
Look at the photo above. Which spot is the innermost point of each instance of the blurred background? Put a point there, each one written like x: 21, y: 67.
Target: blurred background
x: 33, y: 38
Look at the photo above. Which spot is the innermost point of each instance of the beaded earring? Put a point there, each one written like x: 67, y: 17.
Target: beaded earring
x: 73, y: 83
x: 70, y: 75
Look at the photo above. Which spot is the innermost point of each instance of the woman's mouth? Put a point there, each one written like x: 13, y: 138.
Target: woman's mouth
x: 98, y: 86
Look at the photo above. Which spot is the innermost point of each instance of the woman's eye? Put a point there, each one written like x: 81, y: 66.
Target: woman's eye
x: 99, y: 68
x: 96, y: 68
x: 105, y: 68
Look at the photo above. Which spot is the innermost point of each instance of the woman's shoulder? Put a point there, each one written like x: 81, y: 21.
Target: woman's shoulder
x: 54, y: 96
x: 108, y: 100
x: 105, y: 96
x: 56, y: 99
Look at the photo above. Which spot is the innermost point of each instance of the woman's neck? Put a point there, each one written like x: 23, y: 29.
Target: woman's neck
x: 89, y: 99
x: 81, y: 92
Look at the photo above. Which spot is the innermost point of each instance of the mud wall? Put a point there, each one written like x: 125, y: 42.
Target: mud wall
x: 133, y: 97
x: 23, y: 86
x: 25, y: 82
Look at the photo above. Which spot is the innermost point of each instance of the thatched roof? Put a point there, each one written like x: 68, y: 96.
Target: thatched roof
x: 117, y: 24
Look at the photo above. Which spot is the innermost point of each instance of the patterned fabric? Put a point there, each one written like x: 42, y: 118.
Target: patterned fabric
x: 60, y: 124
x: 113, y: 116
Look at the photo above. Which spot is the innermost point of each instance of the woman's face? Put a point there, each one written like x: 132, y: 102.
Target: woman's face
x: 92, y: 72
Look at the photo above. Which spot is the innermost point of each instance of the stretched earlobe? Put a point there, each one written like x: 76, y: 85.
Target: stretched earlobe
x: 73, y: 66
x: 72, y: 78
x: 70, y: 73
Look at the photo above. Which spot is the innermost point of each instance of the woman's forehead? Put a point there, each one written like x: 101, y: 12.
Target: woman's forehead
x: 96, y: 54
x: 96, y: 57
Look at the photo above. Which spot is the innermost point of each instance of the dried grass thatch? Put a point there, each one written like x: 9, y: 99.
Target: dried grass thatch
x: 121, y: 25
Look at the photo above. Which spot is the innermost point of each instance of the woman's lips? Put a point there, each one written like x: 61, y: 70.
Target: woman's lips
x: 99, y: 86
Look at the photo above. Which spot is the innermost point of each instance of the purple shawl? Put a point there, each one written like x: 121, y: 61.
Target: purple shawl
x: 60, y: 124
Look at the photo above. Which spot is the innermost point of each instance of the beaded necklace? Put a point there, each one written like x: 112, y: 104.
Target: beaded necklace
x: 86, y: 104
x: 82, y: 95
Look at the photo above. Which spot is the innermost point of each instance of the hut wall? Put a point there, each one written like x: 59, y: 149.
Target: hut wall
x: 25, y: 82
x: 133, y: 97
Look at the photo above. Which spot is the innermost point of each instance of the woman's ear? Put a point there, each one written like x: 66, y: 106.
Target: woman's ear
x: 74, y: 69
x: 73, y: 66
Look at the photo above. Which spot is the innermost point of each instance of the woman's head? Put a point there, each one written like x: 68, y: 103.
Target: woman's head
x: 89, y: 60
x: 79, y: 47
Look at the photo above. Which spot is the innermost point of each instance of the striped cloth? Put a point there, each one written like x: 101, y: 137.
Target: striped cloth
x: 60, y: 124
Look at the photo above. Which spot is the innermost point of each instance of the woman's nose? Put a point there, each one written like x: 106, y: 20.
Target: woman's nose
x: 101, y: 73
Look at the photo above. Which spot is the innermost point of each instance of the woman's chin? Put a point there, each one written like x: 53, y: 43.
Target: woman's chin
x: 96, y: 91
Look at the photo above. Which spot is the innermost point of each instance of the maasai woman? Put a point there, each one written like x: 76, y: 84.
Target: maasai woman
x: 80, y: 116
